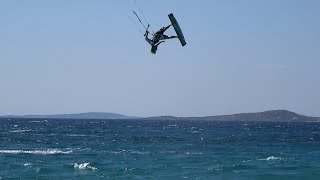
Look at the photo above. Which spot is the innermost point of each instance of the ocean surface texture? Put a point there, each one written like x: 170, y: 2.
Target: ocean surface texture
x: 143, y: 149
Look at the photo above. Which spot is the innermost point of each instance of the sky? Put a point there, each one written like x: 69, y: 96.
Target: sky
x: 72, y: 56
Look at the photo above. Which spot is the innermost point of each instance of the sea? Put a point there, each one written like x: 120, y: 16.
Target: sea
x: 158, y: 149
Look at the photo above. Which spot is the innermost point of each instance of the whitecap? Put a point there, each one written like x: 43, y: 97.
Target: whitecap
x: 173, y: 125
x: 271, y: 158
x: 27, y: 164
x: 36, y: 121
x: 76, y: 135
x: 116, y: 152
x: 140, y: 152
x: 84, y: 166
x: 194, y: 153
x: 40, y: 152
x: 167, y: 152
x: 21, y: 130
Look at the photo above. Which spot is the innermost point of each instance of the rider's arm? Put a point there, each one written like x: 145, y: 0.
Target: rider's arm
x: 146, y: 33
x: 147, y: 39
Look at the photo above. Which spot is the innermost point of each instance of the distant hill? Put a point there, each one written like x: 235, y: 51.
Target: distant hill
x: 89, y: 115
x: 274, y: 115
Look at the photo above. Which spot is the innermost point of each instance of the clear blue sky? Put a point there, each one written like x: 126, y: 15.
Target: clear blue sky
x: 69, y: 56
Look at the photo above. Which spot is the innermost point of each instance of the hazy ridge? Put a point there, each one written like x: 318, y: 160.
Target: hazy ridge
x: 273, y: 115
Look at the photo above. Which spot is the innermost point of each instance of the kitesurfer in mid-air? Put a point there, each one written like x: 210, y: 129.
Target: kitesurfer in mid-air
x: 157, y: 38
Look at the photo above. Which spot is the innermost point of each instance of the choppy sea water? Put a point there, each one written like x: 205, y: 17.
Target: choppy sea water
x: 143, y: 149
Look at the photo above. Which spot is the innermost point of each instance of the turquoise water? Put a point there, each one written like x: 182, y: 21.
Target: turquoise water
x: 141, y: 149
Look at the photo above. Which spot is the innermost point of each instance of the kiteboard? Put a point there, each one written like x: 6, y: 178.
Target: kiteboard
x: 177, y: 28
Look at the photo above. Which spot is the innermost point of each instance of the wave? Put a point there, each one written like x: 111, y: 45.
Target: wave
x: 38, y: 121
x: 173, y: 125
x: 40, y: 152
x: 84, y: 166
x: 167, y: 152
x: 139, y: 152
x: 76, y: 135
x: 27, y: 164
x: 193, y: 153
x: 271, y: 158
x: 129, y: 152
x: 20, y: 130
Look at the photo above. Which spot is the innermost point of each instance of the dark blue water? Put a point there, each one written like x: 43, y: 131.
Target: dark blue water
x: 140, y: 149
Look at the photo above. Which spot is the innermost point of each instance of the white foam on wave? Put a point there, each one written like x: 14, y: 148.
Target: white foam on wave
x: 173, y: 125
x: 76, y: 135
x: 35, y: 121
x: 84, y: 166
x: 40, y: 152
x: 167, y: 152
x: 271, y: 158
x: 193, y: 153
x: 129, y: 152
x: 21, y: 130
x: 139, y: 152
x: 27, y: 164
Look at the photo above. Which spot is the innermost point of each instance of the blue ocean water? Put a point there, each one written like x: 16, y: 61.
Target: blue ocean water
x: 151, y: 149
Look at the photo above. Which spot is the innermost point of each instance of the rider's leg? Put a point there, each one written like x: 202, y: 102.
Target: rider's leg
x: 168, y: 37
x: 171, y: 37
x: 163, y: 29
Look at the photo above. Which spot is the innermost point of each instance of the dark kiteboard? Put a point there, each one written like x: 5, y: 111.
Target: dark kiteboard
x: 177, y: 28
